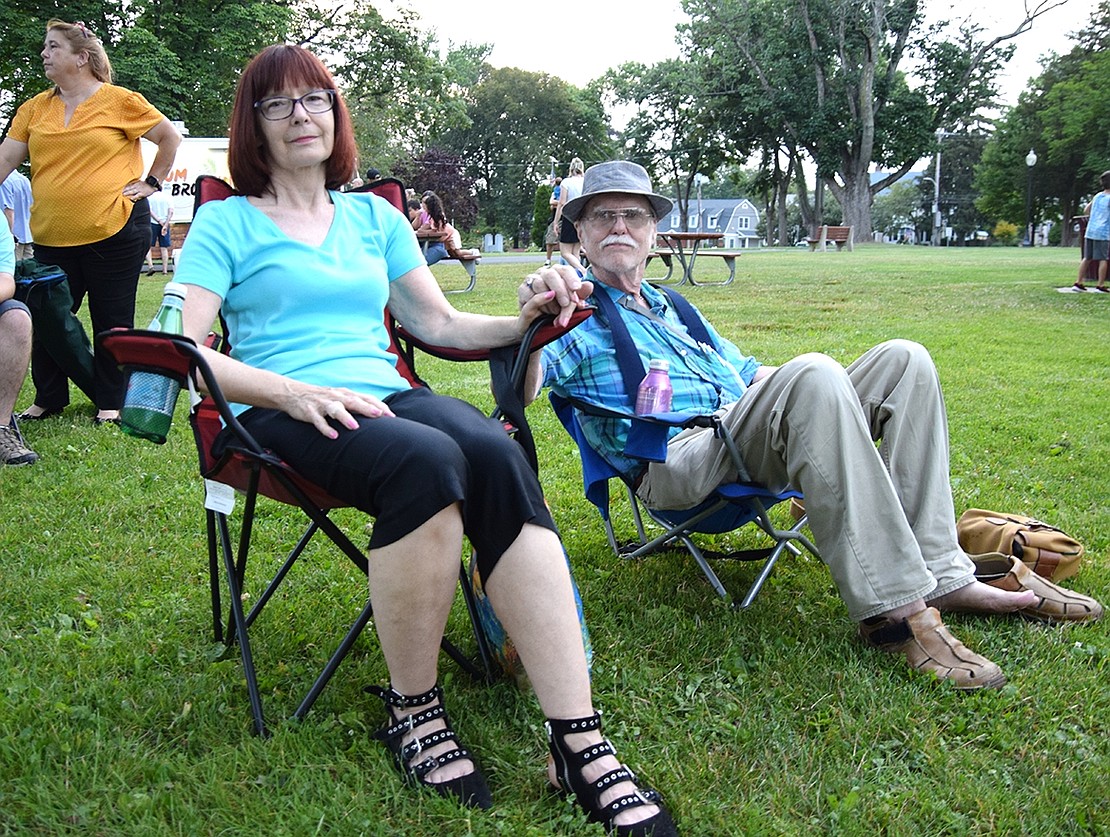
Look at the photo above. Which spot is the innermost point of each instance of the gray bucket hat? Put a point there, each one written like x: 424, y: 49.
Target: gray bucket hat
x: 618, y: 177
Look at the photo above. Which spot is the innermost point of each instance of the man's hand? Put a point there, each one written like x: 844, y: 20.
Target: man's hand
x: 561, y: 287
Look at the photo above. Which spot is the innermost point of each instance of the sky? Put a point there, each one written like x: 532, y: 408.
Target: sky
x: 580, y: 39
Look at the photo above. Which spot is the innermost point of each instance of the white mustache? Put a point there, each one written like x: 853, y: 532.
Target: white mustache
x: 617, y: 238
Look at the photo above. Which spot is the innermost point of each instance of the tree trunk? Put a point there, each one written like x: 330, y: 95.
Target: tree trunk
x: 855, y: 204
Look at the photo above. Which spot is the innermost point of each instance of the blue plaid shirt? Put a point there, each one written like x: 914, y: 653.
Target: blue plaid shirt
x: 583, y: 365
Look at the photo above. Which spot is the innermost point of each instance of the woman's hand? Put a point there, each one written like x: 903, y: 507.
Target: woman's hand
x: 315, y: 405
x: 136, y: 190
x: 554, y: 290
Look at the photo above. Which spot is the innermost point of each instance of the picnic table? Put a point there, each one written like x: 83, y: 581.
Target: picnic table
x: 686, y: 246
x: 468, y: 260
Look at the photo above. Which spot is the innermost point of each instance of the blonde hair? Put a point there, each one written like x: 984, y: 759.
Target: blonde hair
x: 82, y: 39
x: 576, y: 167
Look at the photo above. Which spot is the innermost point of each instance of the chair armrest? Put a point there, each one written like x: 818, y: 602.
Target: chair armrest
x: 178, y: 357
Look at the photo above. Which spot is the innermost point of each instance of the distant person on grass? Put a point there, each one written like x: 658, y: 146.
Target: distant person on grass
x: 882, y: 516
x: 1096, y: 240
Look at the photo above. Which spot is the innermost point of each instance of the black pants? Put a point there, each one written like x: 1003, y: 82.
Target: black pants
x: 403, y: 470
x: 108, y: 273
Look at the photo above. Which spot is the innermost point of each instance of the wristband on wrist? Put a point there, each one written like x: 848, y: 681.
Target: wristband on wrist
x: 153, y: 182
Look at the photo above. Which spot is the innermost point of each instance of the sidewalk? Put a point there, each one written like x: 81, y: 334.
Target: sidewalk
x: 514, y: 257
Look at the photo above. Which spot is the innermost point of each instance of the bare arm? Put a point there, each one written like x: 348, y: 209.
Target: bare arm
x: 417, y: 302
x: 7, y: 287
x: 165, y: 136
x: 12, y: 153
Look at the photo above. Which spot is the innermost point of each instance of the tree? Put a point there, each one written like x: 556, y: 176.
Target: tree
x: 399, y: 91
x: 1060, y: 118
x: 445, y: 174
x: 672, y: 133
x: 960, y: 153
x: 895, y: 209
x: 834, y: 74
x: 186, y: 59
x: 519, y: 121
x: 541, y: 212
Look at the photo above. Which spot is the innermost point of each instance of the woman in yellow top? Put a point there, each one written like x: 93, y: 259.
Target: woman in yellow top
x: 89, y: 214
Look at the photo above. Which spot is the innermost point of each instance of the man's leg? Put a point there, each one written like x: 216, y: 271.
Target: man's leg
x: 803, y: 426
x: 15, y: 354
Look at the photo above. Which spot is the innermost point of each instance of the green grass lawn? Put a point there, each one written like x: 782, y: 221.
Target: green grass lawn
x: 119, y: 716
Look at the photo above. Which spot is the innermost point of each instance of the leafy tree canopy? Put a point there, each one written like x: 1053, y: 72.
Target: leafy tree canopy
x: 519, y: 122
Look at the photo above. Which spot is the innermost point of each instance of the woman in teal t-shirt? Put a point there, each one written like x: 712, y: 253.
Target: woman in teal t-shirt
x: 301, y: 274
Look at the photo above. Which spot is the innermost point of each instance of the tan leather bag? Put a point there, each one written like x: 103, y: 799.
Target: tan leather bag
x: 1046, y: 550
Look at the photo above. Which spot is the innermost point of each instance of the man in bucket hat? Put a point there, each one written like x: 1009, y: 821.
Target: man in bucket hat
x: 882, y: 516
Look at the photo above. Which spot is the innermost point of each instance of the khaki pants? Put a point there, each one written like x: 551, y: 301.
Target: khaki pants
x: 24, y: 251
x: 882, y: 515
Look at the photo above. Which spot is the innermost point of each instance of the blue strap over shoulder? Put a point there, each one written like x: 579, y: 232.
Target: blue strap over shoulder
x: 646, y: 440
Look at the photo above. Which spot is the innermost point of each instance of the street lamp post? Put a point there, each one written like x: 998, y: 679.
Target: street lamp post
x: 937, y: 220
x: 699, y: 179
x: 1030, y: 161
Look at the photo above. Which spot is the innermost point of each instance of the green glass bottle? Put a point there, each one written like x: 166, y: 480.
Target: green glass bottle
x: 148, y: 406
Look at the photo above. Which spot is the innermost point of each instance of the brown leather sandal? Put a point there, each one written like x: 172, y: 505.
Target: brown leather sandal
x: 929, y: 646
x: 1054, y: 603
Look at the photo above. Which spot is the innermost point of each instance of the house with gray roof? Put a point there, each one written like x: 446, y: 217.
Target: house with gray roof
x: 735, y: 218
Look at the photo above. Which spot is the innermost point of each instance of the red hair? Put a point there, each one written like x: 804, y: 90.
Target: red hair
x: 282, y: 67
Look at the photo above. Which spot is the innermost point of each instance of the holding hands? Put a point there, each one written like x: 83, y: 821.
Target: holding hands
x: 557, y: 290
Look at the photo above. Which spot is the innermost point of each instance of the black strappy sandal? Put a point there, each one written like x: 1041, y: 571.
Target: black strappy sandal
x: 471, y: 790
x: 568, y: 766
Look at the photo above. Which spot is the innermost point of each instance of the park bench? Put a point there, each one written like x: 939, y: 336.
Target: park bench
x: 469, y: 260
x: 668, y: 258
x: 841, y: 236
x: 665, y: 256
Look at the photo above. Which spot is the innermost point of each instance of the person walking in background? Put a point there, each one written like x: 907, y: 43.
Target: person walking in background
x: 1096, y: 240
x: 551, y: 236
x: 161, y: 215
x: 15, y: 198
x: 570, y: 188
x: 90, y: 216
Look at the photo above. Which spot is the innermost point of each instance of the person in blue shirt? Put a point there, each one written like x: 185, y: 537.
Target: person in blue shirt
x: 301, y: 273
x: 1096, y: 239
x: 15, y: 200
x: 882, y: 516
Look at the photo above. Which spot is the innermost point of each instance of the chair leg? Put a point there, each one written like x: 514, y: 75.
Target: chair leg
x: 239, y: 621
x: 214, y: 576
x: 485, y: 655
x: 336, y: 658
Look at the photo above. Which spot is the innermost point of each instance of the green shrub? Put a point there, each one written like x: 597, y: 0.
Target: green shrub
x: 1005, y: 233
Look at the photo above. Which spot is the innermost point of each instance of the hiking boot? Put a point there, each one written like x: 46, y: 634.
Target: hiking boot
x: 13, y: 451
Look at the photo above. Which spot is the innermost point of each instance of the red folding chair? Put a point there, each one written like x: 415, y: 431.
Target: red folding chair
x: 250, y: 469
